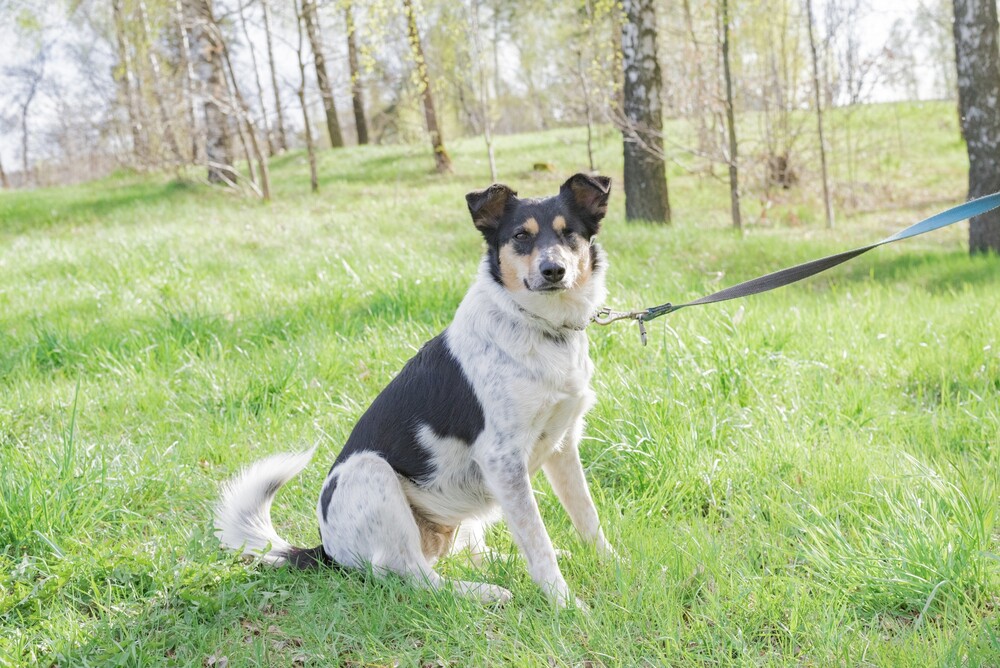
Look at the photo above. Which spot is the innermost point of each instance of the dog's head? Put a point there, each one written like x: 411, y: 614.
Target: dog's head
x: 542, y: 246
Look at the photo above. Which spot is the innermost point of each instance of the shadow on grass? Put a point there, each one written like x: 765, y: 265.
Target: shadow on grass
x: 931, y: 271
x: 30, y: 211
x: 174, y: 334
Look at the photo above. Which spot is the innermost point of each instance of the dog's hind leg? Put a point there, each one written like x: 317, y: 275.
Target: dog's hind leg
x: 471, y: 536
x: 367, y: 519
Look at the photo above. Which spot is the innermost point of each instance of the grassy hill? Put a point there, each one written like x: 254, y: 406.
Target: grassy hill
x: 808, y: 477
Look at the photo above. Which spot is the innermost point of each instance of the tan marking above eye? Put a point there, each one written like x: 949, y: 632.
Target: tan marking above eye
x: 558, y: 223
x: 531, y: 226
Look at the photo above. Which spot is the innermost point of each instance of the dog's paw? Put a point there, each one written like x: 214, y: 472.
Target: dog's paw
x: 486, y: 593
x: 609, y: 555
x: 563, y: 554
x: 492, y: 594
x: 558, y: 594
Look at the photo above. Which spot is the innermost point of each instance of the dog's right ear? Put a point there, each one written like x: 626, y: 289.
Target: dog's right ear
x: 487, y: 206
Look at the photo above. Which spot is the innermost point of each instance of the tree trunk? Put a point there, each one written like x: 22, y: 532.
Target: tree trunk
x: 311, y: 21
x: 154, y: 66
x: 260, y: 88
x: 187, y: 69
x: 581, y: 74
x: 310, y: 146
x: 243, y: 109
x: 441, y: 158
x: 827, y: 201
x: 646, y: 196
x: 978, y: 62
x: 484, y: 101
x: 140, y: 149
x: 357, y: 91
x: 218, y: 143
x: 282, y: 138
x: 4, y: 182
x: 734, y: 174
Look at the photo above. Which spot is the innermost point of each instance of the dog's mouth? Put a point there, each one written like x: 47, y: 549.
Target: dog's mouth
x: 549, y: 288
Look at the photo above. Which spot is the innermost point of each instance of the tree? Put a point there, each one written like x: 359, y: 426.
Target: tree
x: 978, y: 62
x: 158, y: 94
x: 441, y: 158
x: 827, y: 201
x: 260, y: 88
x: 187, y: 74
x: 4, y: 183
x: 646, y: 196
x: 243, y: 111
x: 484, y: 101
x: 357, y: 92
x: 310, y: 145
x: 311, y: 21
x: 208, y: 56
x: 734, y: 174
x: 129, y: 84
x: 282, y: 138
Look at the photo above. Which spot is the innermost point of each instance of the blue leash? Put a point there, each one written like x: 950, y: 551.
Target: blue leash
x: 777, y: 279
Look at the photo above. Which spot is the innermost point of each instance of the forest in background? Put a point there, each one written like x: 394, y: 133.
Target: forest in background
x: 155, y: 84
x: 98, y: 84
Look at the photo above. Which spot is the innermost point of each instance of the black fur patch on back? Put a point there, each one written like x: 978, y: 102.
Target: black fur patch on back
x: 431, y: 390
x: 328, y: 490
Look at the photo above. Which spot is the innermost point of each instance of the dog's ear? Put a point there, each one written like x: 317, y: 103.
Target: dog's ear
x: 487, y: 206
x: 588, y: 197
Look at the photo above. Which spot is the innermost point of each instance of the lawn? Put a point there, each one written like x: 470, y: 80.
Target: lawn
x: 808, y: 477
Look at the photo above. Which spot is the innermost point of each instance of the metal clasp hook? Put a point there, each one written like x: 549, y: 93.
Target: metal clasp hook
x: 606, y: 316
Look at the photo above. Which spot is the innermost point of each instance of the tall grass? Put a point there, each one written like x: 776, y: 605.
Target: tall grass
x: 807, y: 477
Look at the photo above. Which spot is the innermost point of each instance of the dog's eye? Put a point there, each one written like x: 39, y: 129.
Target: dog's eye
x: 521, y: 235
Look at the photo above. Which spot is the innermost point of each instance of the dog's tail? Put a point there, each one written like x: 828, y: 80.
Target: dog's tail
x: 243, y: 514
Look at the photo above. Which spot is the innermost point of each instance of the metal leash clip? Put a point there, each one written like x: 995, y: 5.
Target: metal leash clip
x: 606, y: 316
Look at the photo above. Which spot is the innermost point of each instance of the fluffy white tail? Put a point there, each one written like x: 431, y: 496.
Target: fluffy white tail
x: 243, y: 514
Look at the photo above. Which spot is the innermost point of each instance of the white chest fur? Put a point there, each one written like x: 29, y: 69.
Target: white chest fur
x: 531, y: 378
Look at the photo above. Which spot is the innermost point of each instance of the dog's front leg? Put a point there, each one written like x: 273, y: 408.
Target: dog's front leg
x: 506, y: 475
x: 565, y: 473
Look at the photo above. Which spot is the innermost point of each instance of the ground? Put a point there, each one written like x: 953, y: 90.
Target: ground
x: 808, y: 477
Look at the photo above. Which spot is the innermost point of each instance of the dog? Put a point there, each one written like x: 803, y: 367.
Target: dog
x: 453, y: 441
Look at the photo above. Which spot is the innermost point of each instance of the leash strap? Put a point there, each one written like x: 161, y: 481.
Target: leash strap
x: 799, y: 272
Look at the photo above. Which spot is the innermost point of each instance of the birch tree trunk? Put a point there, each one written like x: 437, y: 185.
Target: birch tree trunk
x: 310, y: 145
x: 827, y: 200
x: 441, y: 158
x: 978, y: 62
x: 311, y: 21
x: 484, y: 101
x: 140, y: 148
x: 243, y: 114
x: 357, y: 92
x: 187, y: 71
x: 734, y: 174
x: 646, y: 196
x: 282, y: 138
x: 208, y: 56
x: 260, y: 88
x: 154, y: 66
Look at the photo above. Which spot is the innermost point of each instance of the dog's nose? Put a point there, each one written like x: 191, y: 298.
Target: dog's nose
x: 553, y: 271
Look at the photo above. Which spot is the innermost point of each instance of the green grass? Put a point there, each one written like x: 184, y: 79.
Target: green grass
x: 804, y: 478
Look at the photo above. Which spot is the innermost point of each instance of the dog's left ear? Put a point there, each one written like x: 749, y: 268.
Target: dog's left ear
x: 588, y: 197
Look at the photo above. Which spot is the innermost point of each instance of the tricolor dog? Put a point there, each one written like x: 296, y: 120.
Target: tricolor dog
x: 454, y: 440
